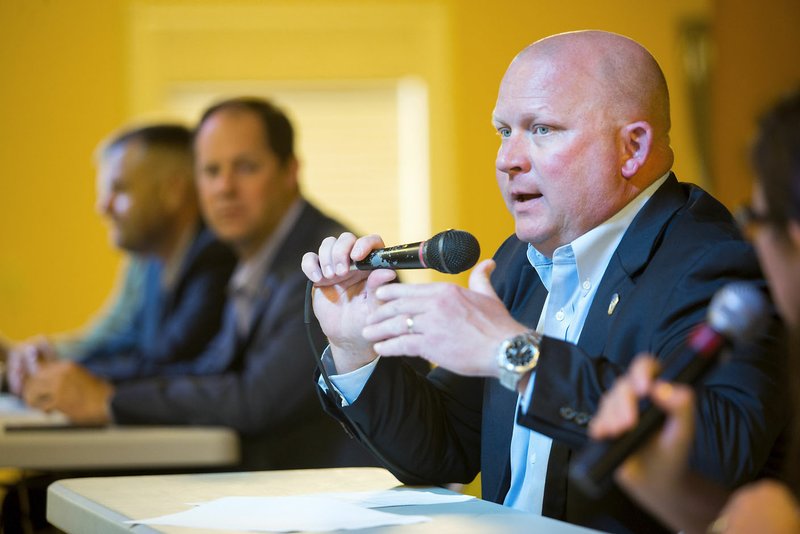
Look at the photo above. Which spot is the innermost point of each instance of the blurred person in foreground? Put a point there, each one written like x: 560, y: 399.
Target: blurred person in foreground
x: 612, y: 256
x: 658, y: 475
x: 174, y: 294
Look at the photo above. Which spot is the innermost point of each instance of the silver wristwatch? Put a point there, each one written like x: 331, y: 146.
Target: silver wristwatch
x: 517, y: 356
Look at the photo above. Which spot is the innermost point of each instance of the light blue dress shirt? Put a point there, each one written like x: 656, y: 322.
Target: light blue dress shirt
x: 571, y: 278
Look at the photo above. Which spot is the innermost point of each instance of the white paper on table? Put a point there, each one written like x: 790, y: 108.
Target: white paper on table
x: 281, y: 514
x: 331, y: 511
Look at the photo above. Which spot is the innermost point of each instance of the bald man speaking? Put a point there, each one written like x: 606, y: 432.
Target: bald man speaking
x: 611, y: 256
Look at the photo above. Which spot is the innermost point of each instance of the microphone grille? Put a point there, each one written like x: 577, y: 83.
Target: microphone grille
x: 738, y: 311
x: 451, y: 251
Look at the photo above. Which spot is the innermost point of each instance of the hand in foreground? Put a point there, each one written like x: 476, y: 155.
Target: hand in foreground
x: 343, y: 298
x: 23, y: 361
x: 69, y: 388
x: 767, y: 507
x: 456, y: 328
x: 657, y: 474
x: 661, y: 463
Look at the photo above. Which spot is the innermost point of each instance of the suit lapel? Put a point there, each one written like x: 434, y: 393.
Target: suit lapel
x: 283, y: 265
x: 199, y: 241
x: 630, y: 258
x: 222, y: 350
x: 259, y: 311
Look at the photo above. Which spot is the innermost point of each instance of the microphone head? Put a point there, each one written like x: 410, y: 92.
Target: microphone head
x: 738, y: 311
x: 451, y: 251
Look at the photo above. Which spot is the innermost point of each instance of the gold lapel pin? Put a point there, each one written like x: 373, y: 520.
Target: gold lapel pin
x: 613, y: 304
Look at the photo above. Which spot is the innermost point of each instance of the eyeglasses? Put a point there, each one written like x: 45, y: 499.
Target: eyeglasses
x: 749, y: 220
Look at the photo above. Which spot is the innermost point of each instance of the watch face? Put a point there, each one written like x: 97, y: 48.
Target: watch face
x: 519, y: 353
x: 517, y: 356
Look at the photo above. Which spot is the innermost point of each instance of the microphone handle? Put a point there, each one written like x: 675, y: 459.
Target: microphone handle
x: 595, y: 464
x: 408, y: 256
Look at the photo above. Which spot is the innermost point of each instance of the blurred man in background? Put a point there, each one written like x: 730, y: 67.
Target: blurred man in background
x: 254, y: 376
x: 146, y: 191
x: 169, y: 312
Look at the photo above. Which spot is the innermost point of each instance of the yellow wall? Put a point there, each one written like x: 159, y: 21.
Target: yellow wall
x: 756, y: 61
x: 61, y: 90
x: 65, y: 83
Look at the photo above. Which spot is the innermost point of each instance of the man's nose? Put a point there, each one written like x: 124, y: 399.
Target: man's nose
x: 103, y: 203
x: 513, y: 157
x: 226, y: 181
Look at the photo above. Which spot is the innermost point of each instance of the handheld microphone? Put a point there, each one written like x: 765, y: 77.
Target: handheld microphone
x: 451, y: 252
x: 736, y: 313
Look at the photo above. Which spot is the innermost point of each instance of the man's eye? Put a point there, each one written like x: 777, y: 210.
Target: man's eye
x: 210, y: 171
x: 504, y: 132
x: 541, y: 130
x: 246, y: 167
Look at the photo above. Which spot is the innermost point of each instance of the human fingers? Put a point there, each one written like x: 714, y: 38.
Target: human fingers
x: 335, y: 259
x: 38, y: 393
x: 403, y: 337
x: 21, y: 363
x: 310, y: 266
x: 364, y: 245
x: 379, y: 278
x: 479, y: 278
x: 405, y: 324
x: 672, y: 398
x: 319, y: 266
x: 401, y: 291
x: 337, y: 262
x: 45, y: 350
x: 642, y: 373
x: 617, y: 411
x: 677, y: 401
x: 411, y: 299
x: 325, y: 253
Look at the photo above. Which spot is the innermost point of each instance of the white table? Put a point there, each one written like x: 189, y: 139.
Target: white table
x: 103, y: 504
x: 30, y: 439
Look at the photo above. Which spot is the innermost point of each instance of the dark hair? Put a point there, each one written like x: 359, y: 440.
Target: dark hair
x: 170, y: 136
x: 776, y: 159
x: 278, y: 129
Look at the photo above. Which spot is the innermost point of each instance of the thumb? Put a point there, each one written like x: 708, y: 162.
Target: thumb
x: 479, y: 278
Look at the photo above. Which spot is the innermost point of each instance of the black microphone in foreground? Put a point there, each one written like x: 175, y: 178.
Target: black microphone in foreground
x: 737, y: 312
x: 451, y: 252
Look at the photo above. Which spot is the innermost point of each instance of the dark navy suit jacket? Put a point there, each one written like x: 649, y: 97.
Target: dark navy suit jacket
x: 681, y: 248
x: 171, y: 326
x: 258, y: 384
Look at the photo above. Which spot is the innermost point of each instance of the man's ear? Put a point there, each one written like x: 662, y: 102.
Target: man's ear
x: 637, y: 141
x: 177, y: 187
x: 292, y: 170
x: 793, y: 230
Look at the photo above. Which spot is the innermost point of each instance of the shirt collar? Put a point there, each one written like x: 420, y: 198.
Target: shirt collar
x: 593, y: 250
x: 249, y: 275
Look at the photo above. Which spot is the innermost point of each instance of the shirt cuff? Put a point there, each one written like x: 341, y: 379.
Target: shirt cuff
x: 348, y: 385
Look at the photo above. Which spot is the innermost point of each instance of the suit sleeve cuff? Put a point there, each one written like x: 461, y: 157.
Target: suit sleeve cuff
x: 349, y: 385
